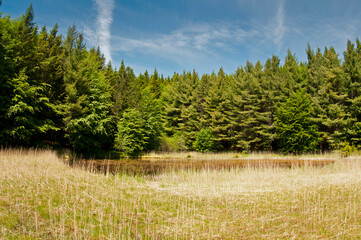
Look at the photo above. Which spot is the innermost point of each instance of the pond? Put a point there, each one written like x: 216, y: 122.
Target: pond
x: 157, y: 166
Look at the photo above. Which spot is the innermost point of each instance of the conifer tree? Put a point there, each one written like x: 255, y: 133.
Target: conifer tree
x: 51, y: 74
x: 247, y: 92
x: 25, y: 114
x: 7, y: 73
x: 126, y: 91
x: 190, y: 115
x: 327, y: 86
x: 172, y: 106
x: 271, y: 87
x: 293, y: 75
x: 218, y: 109
x: 155, y: 83
x: 88, y: 121
x: 352, y: 68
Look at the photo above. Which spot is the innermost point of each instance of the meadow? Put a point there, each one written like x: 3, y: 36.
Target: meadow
x: 42, y: 197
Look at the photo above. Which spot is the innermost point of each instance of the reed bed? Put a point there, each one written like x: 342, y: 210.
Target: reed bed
x: 43, y: 198
x: 255, y: 156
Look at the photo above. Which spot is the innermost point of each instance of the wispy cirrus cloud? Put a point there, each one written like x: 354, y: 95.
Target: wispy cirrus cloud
x: 100, y: 35
x: 204, y: 42
x: 195, y: 42
x: 208, y: 45
x: 280, y: 28
x: 275, y: 28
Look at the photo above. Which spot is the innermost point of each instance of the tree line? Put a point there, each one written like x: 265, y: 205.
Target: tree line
x: 55, y: 92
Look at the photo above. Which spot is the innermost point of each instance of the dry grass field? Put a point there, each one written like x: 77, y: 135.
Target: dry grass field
x: 43, y: 198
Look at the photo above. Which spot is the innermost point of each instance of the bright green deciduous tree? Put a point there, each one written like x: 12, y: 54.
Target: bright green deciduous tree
x: 205, y: 141
x: 131, y: 137
x: 139, y: 129
x: 296, y: 131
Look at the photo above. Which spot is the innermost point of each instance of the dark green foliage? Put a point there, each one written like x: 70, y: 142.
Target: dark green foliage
x: 54, y: 92
x: 352, y: 69
x: 126, y: 90
x: 327, y: 81
x: 296, y: 131
x: 205, y: 141
x: 218, y: 109
x: 88, y: 121
x: 183, y: 107
x: 6, y: 73
x: 252, y: 120
x: 26, y: 108
x: 25, y: 119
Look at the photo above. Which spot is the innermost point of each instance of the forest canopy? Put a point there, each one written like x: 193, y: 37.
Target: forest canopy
x: 57, y: 93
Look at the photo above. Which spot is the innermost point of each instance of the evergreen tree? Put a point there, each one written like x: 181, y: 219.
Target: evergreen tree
x: 7, y: 73
x: 126, y: 90
x: 190, y: 115
x: 271, y: 87
x: 218, y: 109
x: 327, y: 87
x: 88, y: 121
x: 51, y: 75
x: 293, y: 75
x: 352, y: 69
x: 172, y: 106
x: 51, y: 63
x: 247, y: 106
x: 155, y: 84
x: 27, y: 123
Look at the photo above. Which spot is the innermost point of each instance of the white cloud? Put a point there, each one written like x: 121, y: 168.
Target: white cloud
x: 192, y: 43
x: 101, y: 35
x: 220, y: 43
x: 275, y: 28
x: 280, y: 28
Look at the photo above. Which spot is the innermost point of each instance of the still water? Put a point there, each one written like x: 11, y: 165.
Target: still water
x: 153, y: 167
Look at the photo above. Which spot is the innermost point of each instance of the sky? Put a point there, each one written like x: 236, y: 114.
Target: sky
x: 177, y: 35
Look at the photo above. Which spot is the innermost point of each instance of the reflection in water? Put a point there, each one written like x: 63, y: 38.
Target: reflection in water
x: 153, y: 167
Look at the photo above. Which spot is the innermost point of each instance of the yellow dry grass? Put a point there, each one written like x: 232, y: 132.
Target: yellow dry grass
x: 43, y: 198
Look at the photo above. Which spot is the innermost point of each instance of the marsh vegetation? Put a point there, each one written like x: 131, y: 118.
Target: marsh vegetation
x: 42, y: 197
x: 156, y: 163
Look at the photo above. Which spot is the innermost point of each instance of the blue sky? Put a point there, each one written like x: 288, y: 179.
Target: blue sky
x: 204, y: 35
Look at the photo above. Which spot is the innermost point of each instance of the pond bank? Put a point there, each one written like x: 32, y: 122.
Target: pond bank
x: 156, y: 165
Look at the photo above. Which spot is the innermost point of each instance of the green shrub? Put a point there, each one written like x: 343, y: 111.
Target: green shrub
x: 347, y: 149
x: 174, y: 143
x: 205, y: 141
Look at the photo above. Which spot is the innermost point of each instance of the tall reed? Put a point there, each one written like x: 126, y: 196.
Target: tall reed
x: 43, y: 198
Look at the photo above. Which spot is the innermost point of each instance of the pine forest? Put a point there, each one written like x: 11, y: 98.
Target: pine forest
x: 58, y: 93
